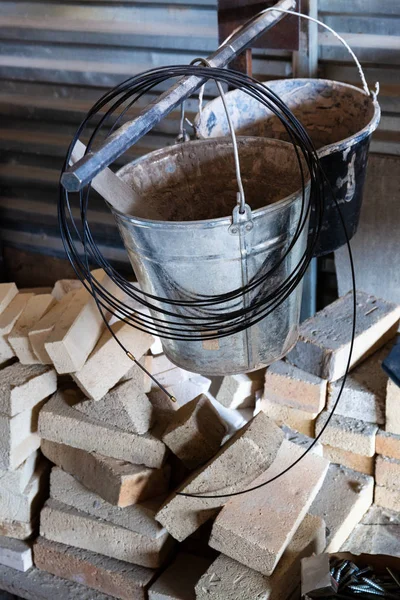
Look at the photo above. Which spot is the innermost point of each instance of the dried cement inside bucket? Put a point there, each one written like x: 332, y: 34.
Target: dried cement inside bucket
x: 196, y: 180
x: 330, y: 112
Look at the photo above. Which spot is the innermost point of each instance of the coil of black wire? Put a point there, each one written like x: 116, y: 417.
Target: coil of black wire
x: 84, y: 253
x: 211, y: 323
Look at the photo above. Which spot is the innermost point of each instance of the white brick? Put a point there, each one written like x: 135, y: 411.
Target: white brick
x: 15, y: 554
x: 78, y: 329
x: 60, y: 422
x: 324, y: 342
x: 62, y: 287
x: 23, y: 386
x: 344, y: 498
x: 289, y: 385
x: 348, y: 434
x: 25, y: 506
x: 237, y: 391
x: 108, y: 363
x: 17, y: 479
x: 364, y: 392
x: 300, y: 420
x: 256, y: 528
x: 41, y: 330
x: 392, y: 407
x: 357, y: 462
x: 8, y: 319
x: 7, y: 292
x: 138, y: 517
x: 227, y: 579
x: 18, y: 437
x: 63, y: 524
x: 35, y: 308
x: 251, y: 450
x: 125, y: 407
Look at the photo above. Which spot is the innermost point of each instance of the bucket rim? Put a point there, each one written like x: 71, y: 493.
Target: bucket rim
x: 219, y: 221
x: 343, y: 144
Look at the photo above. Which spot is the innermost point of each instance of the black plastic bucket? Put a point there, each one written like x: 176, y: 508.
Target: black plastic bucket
x: 340, y: 120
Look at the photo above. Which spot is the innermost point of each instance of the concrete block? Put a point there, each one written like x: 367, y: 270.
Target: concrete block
x: 139, y: 517
x: 15, y: 554
x: 62, y: 287
x: 178, y: 581
x: 227, y: 579
x: 364, y: 392
x: 300, y: 420
x: 8, y: 318
x: 8, y: 291
x: 237, y: 391
x: 195, y: 432
x: 60, y: 422
x: 25, y: 506
x: 107, y: 575
x: 77, y: 330
x: 387, y: 472
x: 18, y: 437
x: 163, y: 409
x: 66, y: 525
x: 388, y: 444
x: 245, y: 456
x: 392, y: 407
x: 377, y: 533
x: 35, y: 308
x: 108, y: 363
x: 35, y: 584
x: 289, y: 385
x: 17, y: 479
x: 118, y: 482
x: 256, y: 528
x: 357, y: 462
x: 344, y: 498
x: 387, y: 498
x: 302, y: 440
x: 41, y: 330
x: 125, y: 407
x: 348, y: 434
x: 23, y: 386
x: 324, y: 342
x: 17, y: 529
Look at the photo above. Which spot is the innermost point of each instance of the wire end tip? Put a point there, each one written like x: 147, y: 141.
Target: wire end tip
x: 172, y: 398
x: 130, y: 355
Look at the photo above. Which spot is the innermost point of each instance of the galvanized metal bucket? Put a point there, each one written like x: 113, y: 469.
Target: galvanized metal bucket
x: 339, y: 119
x: 200, y: 249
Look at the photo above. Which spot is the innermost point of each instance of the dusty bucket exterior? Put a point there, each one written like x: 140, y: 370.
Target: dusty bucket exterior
x: 198, y: 251
x: 340, y: 120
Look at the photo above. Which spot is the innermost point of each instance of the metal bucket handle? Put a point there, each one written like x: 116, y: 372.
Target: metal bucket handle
x: 368, y: 92
x: 242, y: 211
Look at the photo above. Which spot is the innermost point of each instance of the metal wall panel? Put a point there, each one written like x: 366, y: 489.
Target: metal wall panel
x: 57, y: 58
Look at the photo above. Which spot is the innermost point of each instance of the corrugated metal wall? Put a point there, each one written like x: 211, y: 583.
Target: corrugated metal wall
x: 57, y: 58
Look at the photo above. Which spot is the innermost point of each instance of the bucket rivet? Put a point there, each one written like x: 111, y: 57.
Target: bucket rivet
x: 234, y: 230
x: 249, y: 227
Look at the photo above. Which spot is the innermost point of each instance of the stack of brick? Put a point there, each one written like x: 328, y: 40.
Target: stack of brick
x: 302, y: 390
x: 387, y: 470
x: 24, y: 387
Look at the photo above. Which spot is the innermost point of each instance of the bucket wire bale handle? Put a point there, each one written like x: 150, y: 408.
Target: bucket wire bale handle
x: 368, y: 92
x: 242, y: 208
